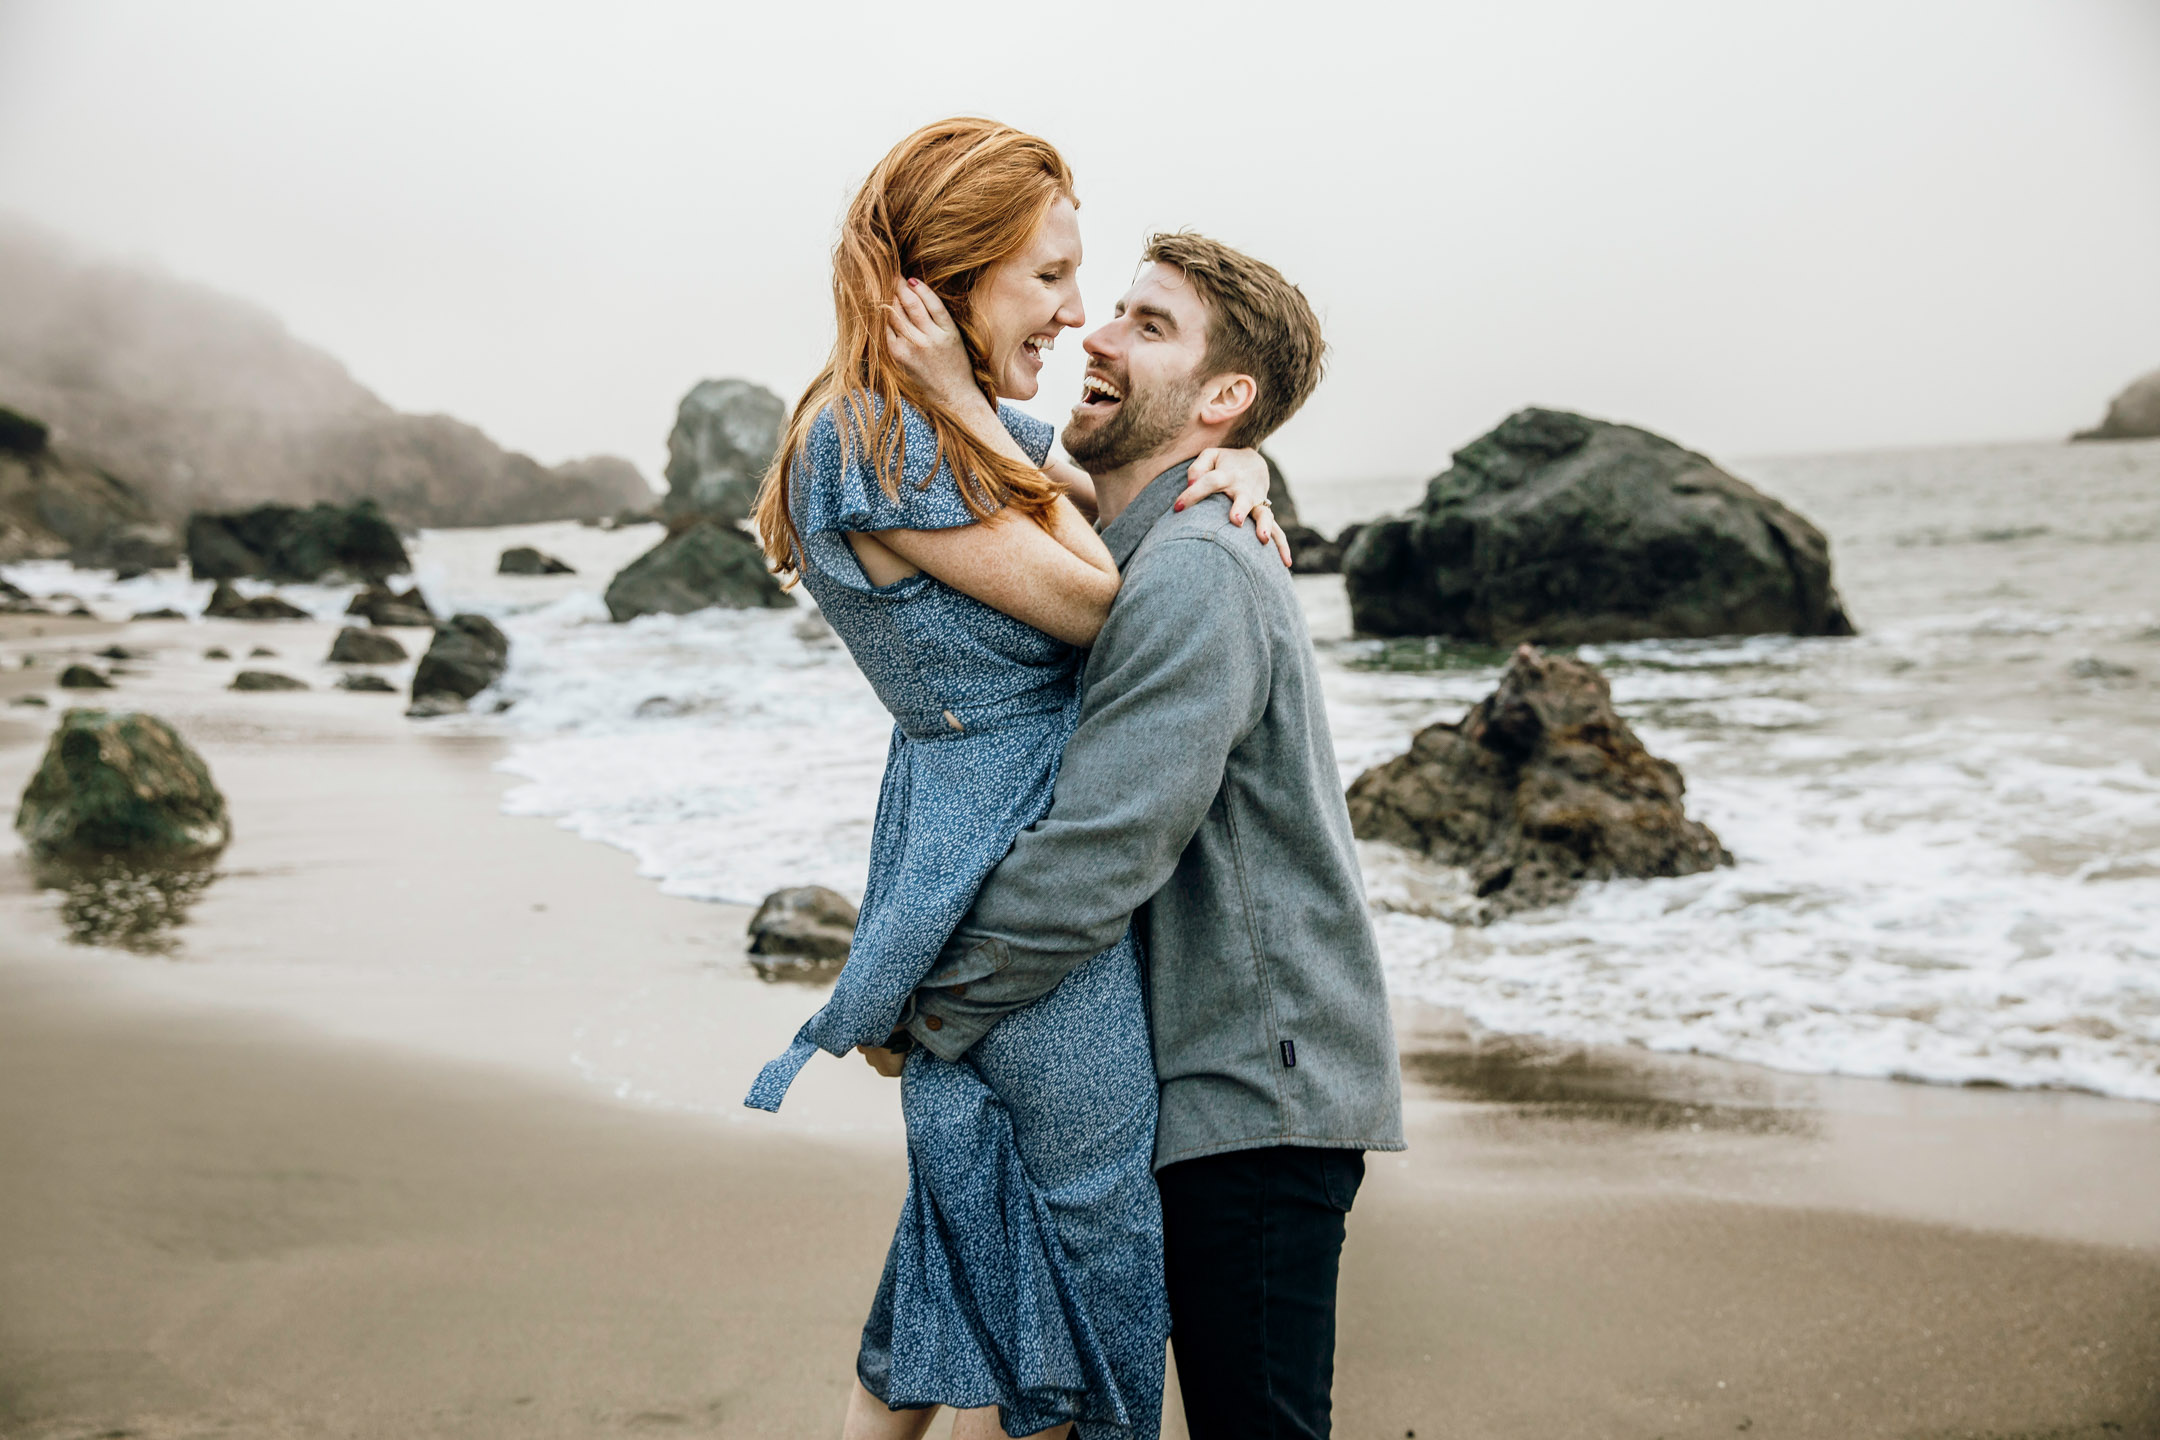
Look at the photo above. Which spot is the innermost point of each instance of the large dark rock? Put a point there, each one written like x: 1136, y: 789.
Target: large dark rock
x: 227, y: 603
x: 525, y: 560
x: 355, y: 646
x: 468, y: 655
x: 118, y: 784
x: 281, y: 542
x: 1311, y: 553
x: 705, y: 565
x: 723, y: 441
x: 807, y: 920
x: 1565, y: 530
x: 380, y: 605
x: 1539, y: 788
x: 2132, y: 415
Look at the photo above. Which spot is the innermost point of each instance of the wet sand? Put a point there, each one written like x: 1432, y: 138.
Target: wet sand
x: 352, y: 1159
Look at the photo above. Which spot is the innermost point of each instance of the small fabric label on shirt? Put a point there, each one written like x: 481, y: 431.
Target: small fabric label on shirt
x: 1289, y: 1055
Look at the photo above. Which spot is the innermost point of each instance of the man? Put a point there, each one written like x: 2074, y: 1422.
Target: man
x: 1201, y: 784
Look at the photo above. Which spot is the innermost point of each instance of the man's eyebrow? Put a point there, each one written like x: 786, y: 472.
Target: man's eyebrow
x: 1155, y: 312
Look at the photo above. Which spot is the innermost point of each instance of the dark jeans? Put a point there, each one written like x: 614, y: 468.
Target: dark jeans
x: 1251, y: 1244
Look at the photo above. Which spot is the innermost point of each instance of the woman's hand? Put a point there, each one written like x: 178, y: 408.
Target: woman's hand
x: 926, y: 343
x: 1243, y: 476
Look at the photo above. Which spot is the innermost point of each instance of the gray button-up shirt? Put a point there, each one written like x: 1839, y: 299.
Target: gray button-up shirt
x: 1201, y: 784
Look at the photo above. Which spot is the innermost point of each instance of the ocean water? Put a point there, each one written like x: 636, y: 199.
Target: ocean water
x: 1947, y: 829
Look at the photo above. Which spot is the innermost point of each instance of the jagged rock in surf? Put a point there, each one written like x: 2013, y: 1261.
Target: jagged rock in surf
x: 1559, y: 529
x: 1539, y: 788
x: 121, y: 784
x: 807, y: 920
x: 724, y: 437
x: 525, y: 560
x: 355, y: 646
x: 227, y: 603
x: 2132, y: 415
x: 708, y: 564
x: 467, y: 655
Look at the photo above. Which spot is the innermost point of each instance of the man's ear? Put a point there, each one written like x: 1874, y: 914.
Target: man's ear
x: 1226, y: 398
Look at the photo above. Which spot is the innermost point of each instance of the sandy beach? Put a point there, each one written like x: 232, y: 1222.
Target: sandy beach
x: 246, y: 1194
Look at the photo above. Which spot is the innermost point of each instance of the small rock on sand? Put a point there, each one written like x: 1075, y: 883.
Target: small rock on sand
x: 807, y: 920
x: 82, y: 677
x: 525, y: 560
x: 361, y: 680
x: 265, y: 680
x: 355, y: 646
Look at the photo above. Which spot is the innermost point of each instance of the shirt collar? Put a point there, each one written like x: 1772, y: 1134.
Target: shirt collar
x: 1124, y: 534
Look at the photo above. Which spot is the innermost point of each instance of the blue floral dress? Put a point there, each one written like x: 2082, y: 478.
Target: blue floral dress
x: 1026, y: 1271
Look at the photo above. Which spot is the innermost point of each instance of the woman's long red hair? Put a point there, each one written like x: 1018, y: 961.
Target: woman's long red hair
x: 947, y: 204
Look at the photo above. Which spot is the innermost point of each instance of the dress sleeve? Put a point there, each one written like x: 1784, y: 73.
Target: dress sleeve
x: 1034, y: 435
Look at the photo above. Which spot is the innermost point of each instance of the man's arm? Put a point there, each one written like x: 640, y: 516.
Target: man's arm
x: 1180, y: 675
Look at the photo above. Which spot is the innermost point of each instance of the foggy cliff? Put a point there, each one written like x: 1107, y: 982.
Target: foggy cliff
x: 201, y: 401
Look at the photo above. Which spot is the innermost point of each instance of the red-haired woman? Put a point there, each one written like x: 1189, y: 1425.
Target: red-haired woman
x: 1024, y: 1285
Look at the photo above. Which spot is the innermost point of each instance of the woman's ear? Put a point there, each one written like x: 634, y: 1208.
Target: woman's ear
x: 1227, y: 397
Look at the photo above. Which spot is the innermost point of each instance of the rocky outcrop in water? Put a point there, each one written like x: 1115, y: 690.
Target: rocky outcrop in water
x: 126, y: 785
x: 204, y: 402
x: 708, y: 564
x: 280, y: 542
x: 1564, y: 530
x: 525, y: 560
x: 808, y: 920
x: 723, y: 441
x: 380, y: 605
x: 1541, y: 787
x: 468, y: 655
x: 2132, y: 415
x: 227, y: 603
x: 55, y: 505
x: 355, y: 646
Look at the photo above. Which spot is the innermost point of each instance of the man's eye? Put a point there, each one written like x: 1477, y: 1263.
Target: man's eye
x: 1150, y: 328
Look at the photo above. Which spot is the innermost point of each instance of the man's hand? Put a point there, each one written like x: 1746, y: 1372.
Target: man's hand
x: 886, y: 1062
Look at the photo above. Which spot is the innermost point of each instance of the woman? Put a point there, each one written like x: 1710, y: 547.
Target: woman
x: 1024, y: 1283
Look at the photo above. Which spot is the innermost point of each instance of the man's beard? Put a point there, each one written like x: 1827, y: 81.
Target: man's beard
x: 1146, y: 421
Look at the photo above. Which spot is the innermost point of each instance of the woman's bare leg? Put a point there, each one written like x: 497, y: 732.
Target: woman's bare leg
x: 983, y: 1425
x: 868, y: 1419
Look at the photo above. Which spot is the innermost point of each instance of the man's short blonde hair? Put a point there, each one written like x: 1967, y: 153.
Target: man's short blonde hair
x: 1259, y: 324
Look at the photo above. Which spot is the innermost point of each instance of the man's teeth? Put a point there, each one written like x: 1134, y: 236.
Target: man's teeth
x: 1096, y: 385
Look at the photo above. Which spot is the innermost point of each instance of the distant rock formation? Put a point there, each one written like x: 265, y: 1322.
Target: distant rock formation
x: 2132, y: 415
x: 1565, y: 530
x: 204, y: 402
x: 468, y: 655
x: 723, y: 441
x: 54, y: 505
x: 281, y: 542
x: 525, y: 560
x: 121, y: 785
x: 1541, y: 787
x: 710, y: 563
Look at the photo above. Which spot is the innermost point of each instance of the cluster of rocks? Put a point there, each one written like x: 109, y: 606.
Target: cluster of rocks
x: 285, y: 542
x: 1560, y: 529
x: 1539, y: 788
x: 380, y: 605
x: 226, y: 603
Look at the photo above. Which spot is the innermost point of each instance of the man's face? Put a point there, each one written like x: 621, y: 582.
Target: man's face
x: 1144, y: 374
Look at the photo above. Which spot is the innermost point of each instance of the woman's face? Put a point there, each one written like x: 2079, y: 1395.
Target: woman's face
x: 1020, y: 305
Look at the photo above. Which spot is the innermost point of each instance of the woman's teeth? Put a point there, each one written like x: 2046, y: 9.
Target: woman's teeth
x: 1039, y: 345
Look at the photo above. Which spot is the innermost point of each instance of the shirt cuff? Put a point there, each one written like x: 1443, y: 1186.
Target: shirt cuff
x: 943, y: 1028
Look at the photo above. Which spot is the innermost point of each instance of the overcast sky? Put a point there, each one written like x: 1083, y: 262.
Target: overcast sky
x: 1756, y: 227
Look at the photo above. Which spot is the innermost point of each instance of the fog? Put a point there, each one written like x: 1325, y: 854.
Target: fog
x: 1759, y: 228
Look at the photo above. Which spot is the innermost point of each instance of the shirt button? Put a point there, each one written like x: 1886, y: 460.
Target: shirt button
x: 934, y: 1022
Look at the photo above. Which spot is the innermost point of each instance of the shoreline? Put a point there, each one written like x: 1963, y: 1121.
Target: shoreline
x: 376, y: 1151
